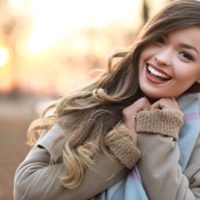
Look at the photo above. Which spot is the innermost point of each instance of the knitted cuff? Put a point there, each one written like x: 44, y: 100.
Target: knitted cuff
x: 123, y: 146
x: 160, y: 122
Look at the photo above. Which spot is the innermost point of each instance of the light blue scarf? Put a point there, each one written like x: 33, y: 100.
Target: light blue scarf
x: 131, y: 187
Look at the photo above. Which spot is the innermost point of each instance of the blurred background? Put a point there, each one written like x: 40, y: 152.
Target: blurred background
x: 47, y: 48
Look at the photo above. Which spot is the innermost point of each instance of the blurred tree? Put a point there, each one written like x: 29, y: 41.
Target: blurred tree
x: 13, y: 25
x: 145, y: 10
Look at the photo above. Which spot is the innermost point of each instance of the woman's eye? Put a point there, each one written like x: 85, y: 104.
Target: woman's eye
x: 186, y: 55
x: 161, y: 40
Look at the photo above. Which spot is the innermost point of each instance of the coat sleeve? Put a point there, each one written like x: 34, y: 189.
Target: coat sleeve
x: 159, y: 167
x: 36, y: 179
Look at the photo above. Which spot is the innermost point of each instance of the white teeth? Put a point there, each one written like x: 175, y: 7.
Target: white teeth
x: 157, y: 73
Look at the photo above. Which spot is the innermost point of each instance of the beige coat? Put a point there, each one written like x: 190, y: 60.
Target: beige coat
x: 161, y: 174
x: 36, y: 179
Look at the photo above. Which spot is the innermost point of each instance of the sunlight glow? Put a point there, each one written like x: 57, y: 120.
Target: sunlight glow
x: 59, y: 42
x: 55, y: 19
x: 3, y: 56
x: 17, y: 3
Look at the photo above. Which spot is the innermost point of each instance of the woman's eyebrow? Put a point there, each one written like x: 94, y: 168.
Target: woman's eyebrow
x: 187, y: 46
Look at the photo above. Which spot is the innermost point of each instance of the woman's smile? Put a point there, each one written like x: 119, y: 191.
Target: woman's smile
x: 156, y: 75
x: 171, y: 64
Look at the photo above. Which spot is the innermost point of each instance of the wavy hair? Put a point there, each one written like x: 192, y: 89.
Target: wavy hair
x: 92, y: 112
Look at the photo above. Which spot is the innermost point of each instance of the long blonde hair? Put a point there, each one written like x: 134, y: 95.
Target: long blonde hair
x: 94, y: 111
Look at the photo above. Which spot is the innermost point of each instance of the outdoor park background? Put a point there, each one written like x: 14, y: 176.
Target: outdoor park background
x: 48, y: 48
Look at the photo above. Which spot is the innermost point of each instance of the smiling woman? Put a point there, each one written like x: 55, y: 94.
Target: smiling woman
x: 125, y: 131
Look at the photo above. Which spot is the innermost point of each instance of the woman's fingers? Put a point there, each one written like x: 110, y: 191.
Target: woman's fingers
x: 140, y: 104
x: 165, y: 104
x: 129, y: 112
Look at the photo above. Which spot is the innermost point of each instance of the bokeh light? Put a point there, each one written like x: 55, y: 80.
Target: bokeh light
x: 3, y: 56
x: 55, y: 44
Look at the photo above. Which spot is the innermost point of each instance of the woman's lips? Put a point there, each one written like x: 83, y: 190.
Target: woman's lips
x: 156, y: 75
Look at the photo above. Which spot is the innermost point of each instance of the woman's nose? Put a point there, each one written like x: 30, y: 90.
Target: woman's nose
x: 163, y: 57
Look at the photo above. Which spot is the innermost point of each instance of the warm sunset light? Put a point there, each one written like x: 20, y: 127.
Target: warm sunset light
x: 54, y: 19
x: 3, y: 56
x: 59, y: 42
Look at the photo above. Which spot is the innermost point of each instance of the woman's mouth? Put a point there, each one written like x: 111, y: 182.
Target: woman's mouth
x: 156, y: 75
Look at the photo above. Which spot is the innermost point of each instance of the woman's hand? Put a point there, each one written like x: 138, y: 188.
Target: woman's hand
x: 130, y: 112
x: 167, y: 104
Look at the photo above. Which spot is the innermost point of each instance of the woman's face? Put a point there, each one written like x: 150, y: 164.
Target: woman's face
x: 169, y: 66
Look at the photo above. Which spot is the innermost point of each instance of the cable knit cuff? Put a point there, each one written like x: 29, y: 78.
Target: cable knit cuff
x: 161, y: 122
x: 123, y: 146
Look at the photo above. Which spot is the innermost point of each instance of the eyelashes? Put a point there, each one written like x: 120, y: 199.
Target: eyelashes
x: 186, y: 55
x: 160, y: 40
